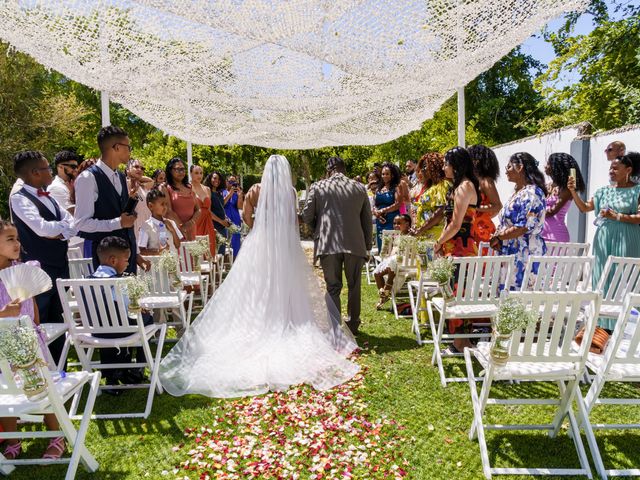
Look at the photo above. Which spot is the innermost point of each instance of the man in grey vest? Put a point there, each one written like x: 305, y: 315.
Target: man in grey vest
x: 339, y: 213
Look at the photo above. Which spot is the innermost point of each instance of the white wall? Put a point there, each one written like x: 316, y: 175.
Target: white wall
x: 541, y: 146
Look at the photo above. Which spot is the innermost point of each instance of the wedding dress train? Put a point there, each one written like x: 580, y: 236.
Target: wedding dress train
x: 269, y: 325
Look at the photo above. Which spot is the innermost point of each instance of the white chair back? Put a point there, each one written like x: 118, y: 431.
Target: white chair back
x: 567, y: 249
x: 549, y: 339
x: 407, y: 256
x: 386, y: 245
x: 558, y: 274
x: 160, y: 282
x: 74, y: 252
x: 186, y: 260
x: 80, y: 267
x: 480, y: 279
x: 620, y: 278
x: 485, y: 250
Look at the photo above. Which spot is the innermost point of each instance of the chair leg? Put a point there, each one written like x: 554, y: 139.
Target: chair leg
x: 64, y: 353
x: 570, y: 391
x: 583, y: 420
x: 154, y: 365
x: 415, y: 326
x: 477, y: 425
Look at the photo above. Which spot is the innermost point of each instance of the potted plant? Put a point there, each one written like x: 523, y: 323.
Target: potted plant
x: 441, y: 270
x: 512, y: 316
x: 19, y: 346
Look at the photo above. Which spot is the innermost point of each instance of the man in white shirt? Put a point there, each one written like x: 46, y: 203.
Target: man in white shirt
x: 43, y: 228
x: 107, y: 217
x: 66, y: 162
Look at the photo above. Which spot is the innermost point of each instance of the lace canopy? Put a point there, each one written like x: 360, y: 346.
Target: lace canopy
x: 283, y: 74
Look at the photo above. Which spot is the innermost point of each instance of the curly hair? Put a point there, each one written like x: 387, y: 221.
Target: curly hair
x: 430, y: 164
x: 395, y: 175
x: 560, y: 165
x: 485, y: 162
x: 532, y: 174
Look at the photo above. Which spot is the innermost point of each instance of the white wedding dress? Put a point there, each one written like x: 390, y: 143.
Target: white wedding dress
x: 269, y: 325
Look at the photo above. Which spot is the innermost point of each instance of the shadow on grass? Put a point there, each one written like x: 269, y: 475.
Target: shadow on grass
x: 385, y: 344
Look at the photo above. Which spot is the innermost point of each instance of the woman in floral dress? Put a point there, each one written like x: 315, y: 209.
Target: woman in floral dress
x: 522, y: 218
x: 429, y: 196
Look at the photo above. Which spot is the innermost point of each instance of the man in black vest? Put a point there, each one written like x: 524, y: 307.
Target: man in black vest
x: 43, y: 228
x: 102, y: 195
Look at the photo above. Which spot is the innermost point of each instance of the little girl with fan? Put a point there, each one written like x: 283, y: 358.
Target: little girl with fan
x: 9, y: 254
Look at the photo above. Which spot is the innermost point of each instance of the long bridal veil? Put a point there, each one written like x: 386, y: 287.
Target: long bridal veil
x: 269, y: 325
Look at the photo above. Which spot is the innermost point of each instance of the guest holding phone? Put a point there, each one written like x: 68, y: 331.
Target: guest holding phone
x: 233, y: 203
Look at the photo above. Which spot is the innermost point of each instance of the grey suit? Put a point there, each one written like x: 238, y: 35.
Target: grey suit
x: 338, y: 211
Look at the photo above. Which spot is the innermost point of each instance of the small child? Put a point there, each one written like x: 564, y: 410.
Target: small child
x: 9, y: 254
x: 388, y: 266
x: 158, y: 233
x: 113, y: 253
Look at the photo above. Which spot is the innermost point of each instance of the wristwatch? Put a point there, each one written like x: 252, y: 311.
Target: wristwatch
x: 619, y: 216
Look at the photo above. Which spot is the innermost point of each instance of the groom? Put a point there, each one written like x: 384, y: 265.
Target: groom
x: 338, y: 211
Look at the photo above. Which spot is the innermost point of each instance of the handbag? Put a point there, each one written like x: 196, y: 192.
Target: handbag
x: 598, y: 342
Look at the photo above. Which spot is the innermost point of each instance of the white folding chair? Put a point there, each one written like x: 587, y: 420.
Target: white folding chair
x: 80, y: 267
x: 74, y: 252
x: 209, y: 265
x: 620, y: 362
x: 558, y: 274
x: 407, y: 267
x: 191, y: 274
x: 419, y: 291
x: 619, y: 279
x: 14, y: 403
x: 542, y: 352
x: 101, y: 309
x: 163, y: 296
x: 567, y: 249
x: 485, y: 250
x: 480, y: 280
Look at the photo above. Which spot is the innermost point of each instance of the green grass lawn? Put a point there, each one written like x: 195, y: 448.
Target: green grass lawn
x: 399, y: 384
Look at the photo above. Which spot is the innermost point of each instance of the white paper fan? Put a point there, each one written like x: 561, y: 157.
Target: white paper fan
x: 25, y: 281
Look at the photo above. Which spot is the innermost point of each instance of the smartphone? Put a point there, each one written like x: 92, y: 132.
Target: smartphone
x: 572, y: 173
x: 130, y: 207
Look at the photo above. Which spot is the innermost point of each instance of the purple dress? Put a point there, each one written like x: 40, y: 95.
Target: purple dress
x: 555, y: 229
x: 26, y: 307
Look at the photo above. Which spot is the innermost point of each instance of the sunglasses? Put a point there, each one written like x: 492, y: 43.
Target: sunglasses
x: 123, y: 145
x: 179, y: 169
x: 72, y: 166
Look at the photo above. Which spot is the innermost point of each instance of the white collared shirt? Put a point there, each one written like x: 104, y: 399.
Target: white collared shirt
x: 28, y: 212
x: 61, y: 192
x: 149, y: 235
x: 86, y: 196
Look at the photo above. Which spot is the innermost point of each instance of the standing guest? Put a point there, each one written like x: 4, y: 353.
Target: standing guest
x: 135, y: 174
x: 66, y: 162
x: 373, y: 179
x: 220, y: 221
x: 159, y: 177
x: 487, y: 170
x: 615, y: 149
x: 233, y: 203
x: 43, y: 228
x: 387, y: 200
x: 158, y: 233
x: 618, y: 205
x: 204, y: 225
x: 521, y: 220
x: 431, y: 197
x: 250, y: 204
x: 412, y: 175
x: 558, y: 200
x: 181, y: 201
x: 338, y: 211
x: 102, y: 196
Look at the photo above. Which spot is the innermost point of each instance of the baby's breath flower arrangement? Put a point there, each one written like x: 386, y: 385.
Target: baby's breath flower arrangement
x: 425, y: 251
x: 441, y: 270
x: 512, y: 316
x: 197, y: 250
x: 19, y: 346
x: 169, y: 263
x: 221, y: 239
x: 137, y: 287
x: 233, y: 229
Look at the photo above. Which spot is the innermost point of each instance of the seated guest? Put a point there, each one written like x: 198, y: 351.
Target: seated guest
x: 159, y: 232
x: 388, y: 266
x: 113, y: 253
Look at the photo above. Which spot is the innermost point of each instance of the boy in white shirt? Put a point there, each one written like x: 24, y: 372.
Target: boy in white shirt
x: 158, y: 233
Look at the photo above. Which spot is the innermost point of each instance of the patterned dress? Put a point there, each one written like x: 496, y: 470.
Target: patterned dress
x: 427, y: 204
x: 526, y: 208
x: 612, y: 237
x: 462, y: 244
x: 483, y: 227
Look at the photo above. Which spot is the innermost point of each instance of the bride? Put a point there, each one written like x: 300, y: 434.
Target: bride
x: 268, y: 326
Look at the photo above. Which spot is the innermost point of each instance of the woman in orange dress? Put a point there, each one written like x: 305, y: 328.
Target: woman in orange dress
x: 487, y: 170
x: 204, y: 225
x: 182, y: 206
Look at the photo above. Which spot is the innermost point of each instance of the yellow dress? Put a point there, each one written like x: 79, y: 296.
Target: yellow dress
x: 428, y: 203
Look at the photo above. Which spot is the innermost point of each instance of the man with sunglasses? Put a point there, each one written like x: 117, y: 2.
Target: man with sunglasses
x: 615, y: 149
x: 66, y: 162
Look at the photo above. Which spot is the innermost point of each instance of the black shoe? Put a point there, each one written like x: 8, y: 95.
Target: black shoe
x: 353, y: 326
x: 134, y: 376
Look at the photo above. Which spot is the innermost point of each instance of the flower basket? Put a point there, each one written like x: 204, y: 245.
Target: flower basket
x: 512, y: 316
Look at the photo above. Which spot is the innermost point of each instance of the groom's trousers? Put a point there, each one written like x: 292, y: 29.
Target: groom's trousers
x: 332, y: 267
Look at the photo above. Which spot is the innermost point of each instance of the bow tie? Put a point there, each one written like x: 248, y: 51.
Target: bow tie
x: 42, y: 193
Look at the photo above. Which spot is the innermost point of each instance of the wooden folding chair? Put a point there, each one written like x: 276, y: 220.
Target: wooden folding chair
x: 544, y: 351
x: 102, y: 310
x: 567, y: 249
x: 407, y: 268
x: 14, y: 403
x: 620, y: 278
x: 191, y: 274
x: 557, y: 274
x: 80, y: 267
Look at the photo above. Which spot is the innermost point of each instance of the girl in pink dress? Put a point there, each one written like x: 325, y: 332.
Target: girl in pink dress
x: 558, y: 200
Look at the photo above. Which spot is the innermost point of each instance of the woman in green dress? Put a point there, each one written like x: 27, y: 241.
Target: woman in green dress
x: 618, y: 205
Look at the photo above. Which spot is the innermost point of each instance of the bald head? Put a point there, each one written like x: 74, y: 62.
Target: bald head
x: 615, y: 149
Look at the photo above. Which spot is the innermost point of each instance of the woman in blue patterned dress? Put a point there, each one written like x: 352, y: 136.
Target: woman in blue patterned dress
x: 387, y: 200
x: 618, y: 208
x: 521, y: 219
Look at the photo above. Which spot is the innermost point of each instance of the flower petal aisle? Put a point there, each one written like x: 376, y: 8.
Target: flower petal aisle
x: 301, y: 433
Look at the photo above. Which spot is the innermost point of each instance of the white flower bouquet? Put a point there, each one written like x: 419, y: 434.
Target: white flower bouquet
x: 137, y: 287
x: 441, y: 270
x: 221, y: 239
x: 512, y: 316
x: 168, y: 262
x: 233, y: 229
x: 197, y: 251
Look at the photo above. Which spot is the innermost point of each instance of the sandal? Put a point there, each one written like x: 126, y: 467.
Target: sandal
x: 450, y: 350
x: 58, y: 444
x: 13, y: 450
x: 385, y: 295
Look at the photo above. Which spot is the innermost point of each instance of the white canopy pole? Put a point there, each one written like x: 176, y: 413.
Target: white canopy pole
x: 189, y: 159
x: 461, y: 118
x: 104, y: 100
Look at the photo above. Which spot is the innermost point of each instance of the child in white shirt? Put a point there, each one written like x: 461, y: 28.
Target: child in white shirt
x: 158, y: 233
